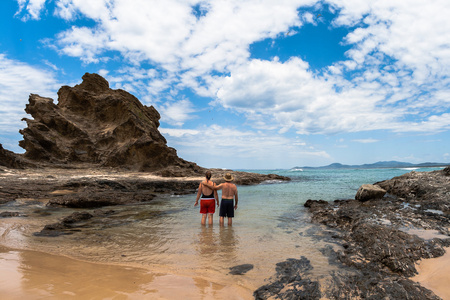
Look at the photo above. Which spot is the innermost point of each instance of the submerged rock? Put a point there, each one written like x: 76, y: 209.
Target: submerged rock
x: 241, y: 269
x: 290, y: 282
x: 9, y: 214
x: 70, y: 224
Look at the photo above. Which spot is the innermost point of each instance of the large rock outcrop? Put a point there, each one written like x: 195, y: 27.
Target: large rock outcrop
x: 95, y: 124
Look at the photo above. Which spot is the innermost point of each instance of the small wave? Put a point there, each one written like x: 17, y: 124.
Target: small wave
x: 296, y: 170
x: 273, y: 181
x: 409, y: 169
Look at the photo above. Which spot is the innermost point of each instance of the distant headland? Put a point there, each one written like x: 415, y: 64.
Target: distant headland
x: 378, y: 165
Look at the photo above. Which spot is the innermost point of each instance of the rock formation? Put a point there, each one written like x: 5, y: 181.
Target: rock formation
x: 95, y: 124
x: 369, y: 191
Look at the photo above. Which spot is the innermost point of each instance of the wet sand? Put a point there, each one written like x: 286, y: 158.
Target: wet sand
x: 35, y: 275
x: 434, y: 274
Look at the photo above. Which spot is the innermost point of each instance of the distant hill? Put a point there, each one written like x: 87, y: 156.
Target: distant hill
x: 380, y: 164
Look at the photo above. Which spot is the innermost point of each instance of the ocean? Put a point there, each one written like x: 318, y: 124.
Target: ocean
x: 164, y: 237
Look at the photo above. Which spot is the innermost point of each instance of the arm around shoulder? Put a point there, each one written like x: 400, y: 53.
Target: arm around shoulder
x: 213, y: 187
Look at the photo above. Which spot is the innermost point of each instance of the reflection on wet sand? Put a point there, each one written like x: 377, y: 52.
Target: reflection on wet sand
x: 217, y: 244
x: 31, y: 275
x: 36, y: 275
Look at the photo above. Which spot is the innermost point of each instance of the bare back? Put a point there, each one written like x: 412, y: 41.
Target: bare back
x: 206, y: 190
x: 229, y: 190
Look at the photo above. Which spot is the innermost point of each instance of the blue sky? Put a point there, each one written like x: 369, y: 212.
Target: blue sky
x: 247, y: 84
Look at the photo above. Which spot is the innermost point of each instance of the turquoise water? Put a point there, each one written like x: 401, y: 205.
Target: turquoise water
x: 165, y: 235
x: 326, y: 184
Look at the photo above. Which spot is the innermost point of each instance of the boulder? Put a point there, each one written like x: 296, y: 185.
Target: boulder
x: 369, y: 191
x: 446, y: 171
x: 94, y: 124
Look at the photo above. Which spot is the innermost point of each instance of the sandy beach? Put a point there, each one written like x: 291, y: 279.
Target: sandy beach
x: 36, y: 275
x: 434, y: 274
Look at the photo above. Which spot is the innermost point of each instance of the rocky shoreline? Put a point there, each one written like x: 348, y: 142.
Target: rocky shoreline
x: 380, y: 240
x: 96, y: 188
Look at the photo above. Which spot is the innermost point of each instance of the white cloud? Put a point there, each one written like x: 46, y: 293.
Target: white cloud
x: 83, y: 42
x: 30, y: 8
x: 238, y: 148
x: 414, y: 33
x: 366, y: 141
x: 177, y: 112
x: 398, y: 70
x: 169, y: 33
x: 17, y: 81
x: 290, y: 95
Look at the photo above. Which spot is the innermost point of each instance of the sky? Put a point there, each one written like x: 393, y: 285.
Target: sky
x: 247, y: 84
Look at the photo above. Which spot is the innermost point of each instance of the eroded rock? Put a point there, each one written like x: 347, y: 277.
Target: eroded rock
x: 369, y: 191
x: 12, y: 160
x: 92, y: 123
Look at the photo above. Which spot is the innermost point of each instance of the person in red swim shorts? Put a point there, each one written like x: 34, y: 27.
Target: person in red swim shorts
x: 208, y: 199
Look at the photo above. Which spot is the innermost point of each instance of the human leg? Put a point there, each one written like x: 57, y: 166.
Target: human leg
x: 230, y: 221
x: 210, y: 219
x: 203, y: 219
x: 221, y: 221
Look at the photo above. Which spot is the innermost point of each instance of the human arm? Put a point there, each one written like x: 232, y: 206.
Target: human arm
x: 213, y: 187
x: 216, y: 196
x: 199, y: 193
x: 236, y: 199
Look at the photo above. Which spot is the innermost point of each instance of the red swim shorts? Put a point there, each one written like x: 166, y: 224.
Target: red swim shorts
x: 207, y: 206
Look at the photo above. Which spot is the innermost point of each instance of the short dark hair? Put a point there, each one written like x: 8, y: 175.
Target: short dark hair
x: 208, y: 175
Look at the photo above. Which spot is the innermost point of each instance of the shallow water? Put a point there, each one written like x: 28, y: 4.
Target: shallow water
x: 162, y: 246
x: 165, y: 237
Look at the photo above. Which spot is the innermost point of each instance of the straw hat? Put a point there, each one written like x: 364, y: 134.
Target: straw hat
x: 228, y: 177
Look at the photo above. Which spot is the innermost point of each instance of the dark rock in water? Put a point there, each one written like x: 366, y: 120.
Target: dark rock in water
x: 369, y: 191
x: 95, y: 124
x: 240, y: 269
x: 290, y: 282
x: 9, y: 214
x: 69, y: 224
x: 310, y: 203
x: 77, y: 217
